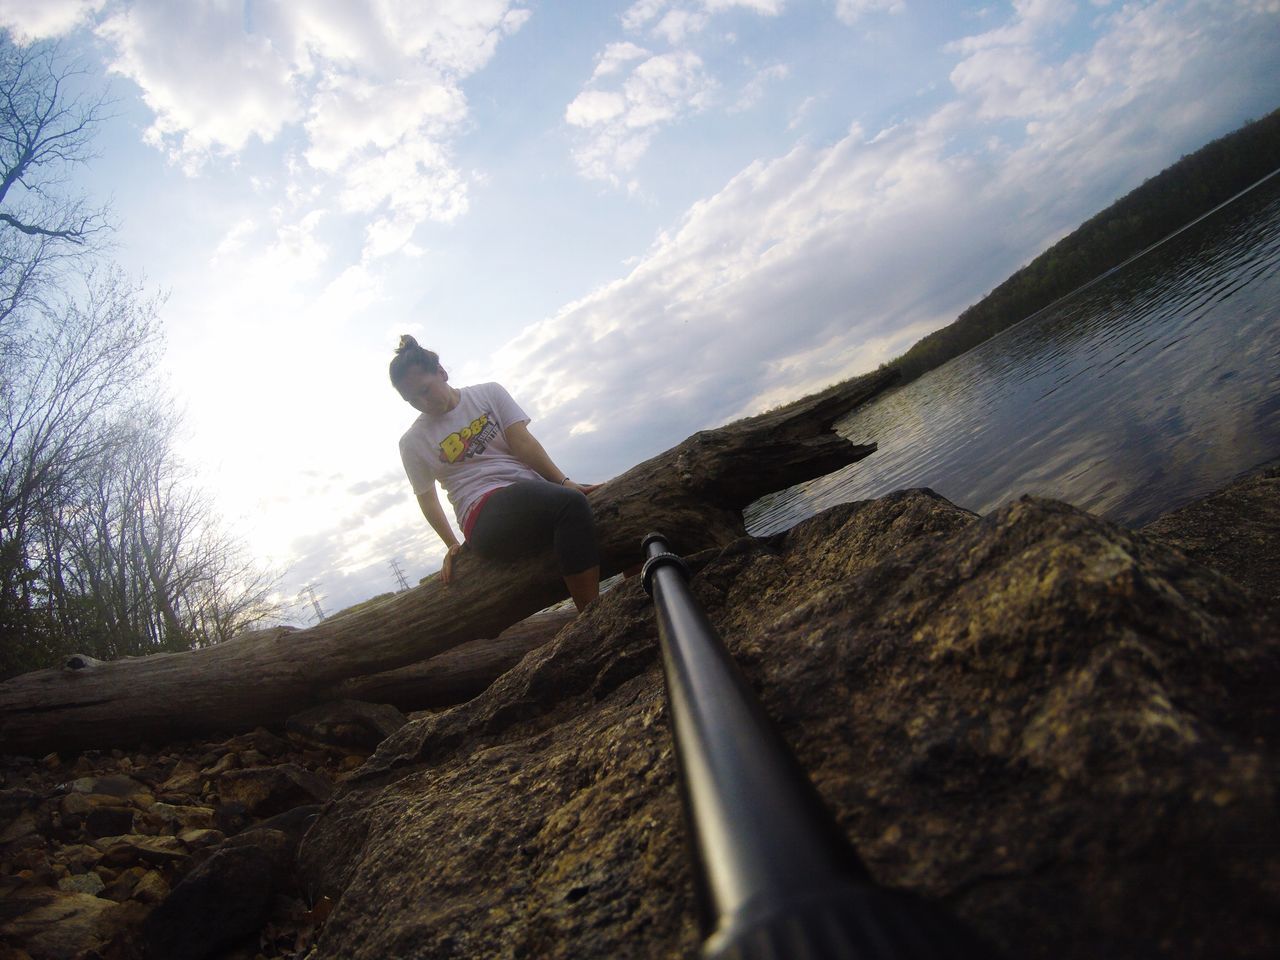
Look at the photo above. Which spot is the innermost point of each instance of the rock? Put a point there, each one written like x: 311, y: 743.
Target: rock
x: 89, y: 883
x: 1234, y: 530
x: 223, y: 899
x: 228, y: 761
x: 76, y: 805
x: 231, y: 817
x: 111, y: 786
x: 266, y: 742
x: 347, y: 723
x: 108, y: 821
x: 265, y: 791
x: 121, y: 887
x: 19, y: 828
x: 199, y: 838
x: 54, y: 925
x: 80, y: 857
x: 185, y: 778
x: 125, y: 851
x: 151, y: 888
x: 182, y: 815
x: 15, y: 802
x: 292, y: 823
x: 1064, y: 730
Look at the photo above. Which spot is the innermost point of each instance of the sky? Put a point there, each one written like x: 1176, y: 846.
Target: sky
x: 643, y: 218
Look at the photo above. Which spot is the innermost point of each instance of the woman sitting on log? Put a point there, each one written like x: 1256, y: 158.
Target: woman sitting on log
x: 509, y: 497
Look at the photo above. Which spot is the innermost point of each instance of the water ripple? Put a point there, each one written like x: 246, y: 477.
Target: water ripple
x: 1136, y: 393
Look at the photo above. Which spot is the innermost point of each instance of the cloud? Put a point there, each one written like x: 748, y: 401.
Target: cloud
x: 754, y: 91
x: 211, y: 85
x: 374, y: 91
x: 824, y: 262
x: 851, y: 11
x: 618, y: 116
x: 31, y: 20
x: 619, y: 124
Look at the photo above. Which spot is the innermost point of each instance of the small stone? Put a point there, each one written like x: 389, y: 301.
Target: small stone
x: 199, y: 838
x: 268, y: 743
x: 109, y: 786
x: 51, y: 761
x: 19, y: 828
x: 225, y: 898
x: 126, y: 851
x: 227, y: 762
x: 75, y: 805
x: 121, y: 888
x: 265, y: 791
x: 347, y: 723
x: 89, y: 883
x: 152, y: 888
x: 186, y: 777
x: 60, y: 924
x: 109, y: 821
x: 79, y: 856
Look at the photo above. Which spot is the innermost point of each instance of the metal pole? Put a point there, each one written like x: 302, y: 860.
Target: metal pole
x: 775, y: 876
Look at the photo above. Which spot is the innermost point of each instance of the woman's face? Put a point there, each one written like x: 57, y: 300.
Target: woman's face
x: 428, y: 392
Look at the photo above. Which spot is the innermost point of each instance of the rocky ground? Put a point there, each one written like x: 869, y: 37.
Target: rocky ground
x: 183, y: 851
x: 1063, y: 731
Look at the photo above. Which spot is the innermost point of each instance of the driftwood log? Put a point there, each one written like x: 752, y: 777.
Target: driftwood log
x: 694, y: 493
x: 456, y: 675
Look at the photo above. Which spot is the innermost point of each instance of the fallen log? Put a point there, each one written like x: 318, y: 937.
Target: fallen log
x: 694, y: 492
x: 456, y: 675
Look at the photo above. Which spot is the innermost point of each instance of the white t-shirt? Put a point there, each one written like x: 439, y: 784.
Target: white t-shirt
x: 466, y: 449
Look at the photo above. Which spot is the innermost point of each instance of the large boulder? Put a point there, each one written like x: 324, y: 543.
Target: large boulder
x: 1062, y: 730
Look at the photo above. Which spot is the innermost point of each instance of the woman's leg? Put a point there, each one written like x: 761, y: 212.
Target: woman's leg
x: 521, y: 518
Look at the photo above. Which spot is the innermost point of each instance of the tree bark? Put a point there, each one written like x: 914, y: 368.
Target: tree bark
x: 693, y: 493
x: 456, y: 675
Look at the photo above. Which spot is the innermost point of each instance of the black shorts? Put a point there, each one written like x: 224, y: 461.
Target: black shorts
x: 523, y: 517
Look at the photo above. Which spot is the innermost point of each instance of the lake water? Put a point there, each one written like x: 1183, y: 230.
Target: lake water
x: 1145, y: 389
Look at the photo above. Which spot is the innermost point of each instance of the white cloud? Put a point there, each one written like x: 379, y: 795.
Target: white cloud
x: 211, y: 85
x: 592, y: 107
x: 756, y: 86
x: 851, y: 11
x: 619, y: 124
x: 675, y: 21
x: 615, y: 57
x: 376, y: 90
x: 41, y: 19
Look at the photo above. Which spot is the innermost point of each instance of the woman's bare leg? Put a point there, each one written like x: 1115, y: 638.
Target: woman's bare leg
x: 583, y: 587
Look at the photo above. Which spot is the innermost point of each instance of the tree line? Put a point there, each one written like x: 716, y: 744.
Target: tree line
x: 1189, y: 188
x: 107, y: 547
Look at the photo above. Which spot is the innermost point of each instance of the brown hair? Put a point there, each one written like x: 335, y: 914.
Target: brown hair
x: 410, y: 355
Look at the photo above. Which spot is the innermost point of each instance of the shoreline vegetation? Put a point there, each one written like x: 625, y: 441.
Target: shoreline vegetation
x: 1180, y: 194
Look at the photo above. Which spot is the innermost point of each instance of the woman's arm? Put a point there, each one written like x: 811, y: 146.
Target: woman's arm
x: 526, y: 448
x: 430, y: 504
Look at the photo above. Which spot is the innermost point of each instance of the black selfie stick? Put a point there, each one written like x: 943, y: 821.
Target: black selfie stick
x: 775, y: 876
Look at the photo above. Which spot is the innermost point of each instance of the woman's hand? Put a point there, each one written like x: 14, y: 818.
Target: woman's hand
x: 446, y: 571
x: 583, y: 487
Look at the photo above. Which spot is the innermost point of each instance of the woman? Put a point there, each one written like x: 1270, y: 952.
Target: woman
x: 509, y: 497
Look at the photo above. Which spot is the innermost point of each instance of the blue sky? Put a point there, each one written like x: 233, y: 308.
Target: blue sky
x: 644, y: 218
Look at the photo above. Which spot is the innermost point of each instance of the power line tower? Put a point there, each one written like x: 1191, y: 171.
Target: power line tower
x: 310, y: 591
x: 395, y: 565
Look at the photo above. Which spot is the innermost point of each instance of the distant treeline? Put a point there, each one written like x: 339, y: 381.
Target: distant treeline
x: 1191, y: 187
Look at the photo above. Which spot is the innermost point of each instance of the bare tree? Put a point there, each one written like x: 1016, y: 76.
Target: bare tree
x: 104, y: 545
x: 143, y: 562
x: 46, y: 131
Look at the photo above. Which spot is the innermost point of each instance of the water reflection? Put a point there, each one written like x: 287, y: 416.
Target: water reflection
x: 1149, y: 388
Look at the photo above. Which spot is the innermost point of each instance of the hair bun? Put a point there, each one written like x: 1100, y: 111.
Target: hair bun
x: 406, y: 343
